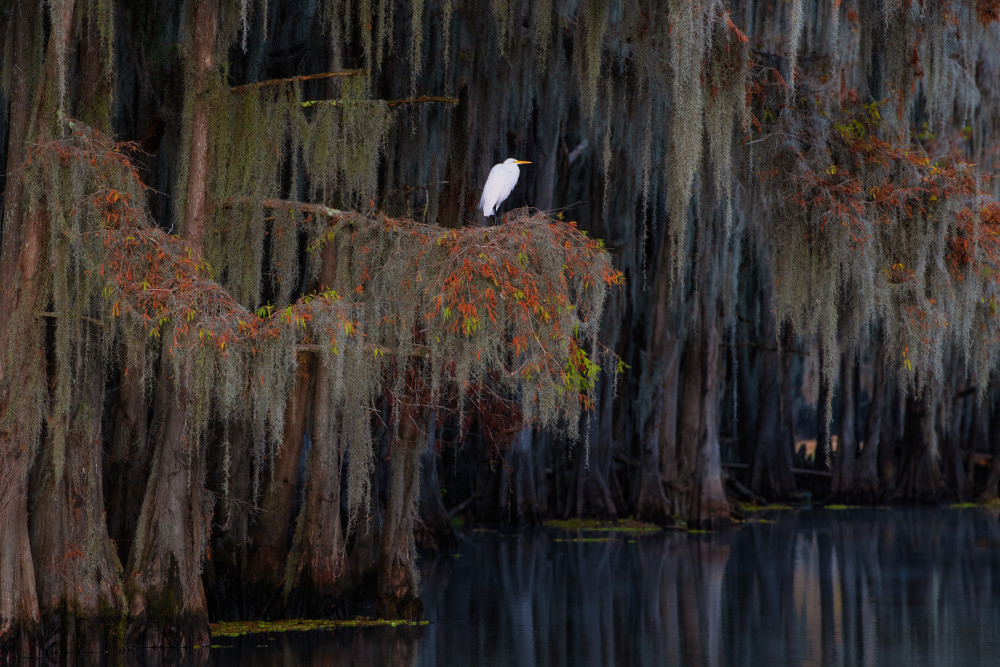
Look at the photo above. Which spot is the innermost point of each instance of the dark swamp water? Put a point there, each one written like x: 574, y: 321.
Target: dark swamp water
x: 803, y: 587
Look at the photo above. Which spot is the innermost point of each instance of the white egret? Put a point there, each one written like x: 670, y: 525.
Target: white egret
x: 499, y: 184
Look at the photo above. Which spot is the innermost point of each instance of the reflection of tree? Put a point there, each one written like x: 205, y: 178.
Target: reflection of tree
x: 864, y: 587
x: 566, y: 599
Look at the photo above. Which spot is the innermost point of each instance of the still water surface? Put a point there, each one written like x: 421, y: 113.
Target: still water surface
x: 805, y: 587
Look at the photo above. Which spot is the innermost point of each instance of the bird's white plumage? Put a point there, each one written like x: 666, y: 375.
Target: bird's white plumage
x: 499, y: 185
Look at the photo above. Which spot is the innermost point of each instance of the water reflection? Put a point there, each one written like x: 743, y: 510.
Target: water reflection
x: 856, y: 587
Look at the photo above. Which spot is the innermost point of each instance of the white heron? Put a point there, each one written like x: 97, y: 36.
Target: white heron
x: 499, y: 184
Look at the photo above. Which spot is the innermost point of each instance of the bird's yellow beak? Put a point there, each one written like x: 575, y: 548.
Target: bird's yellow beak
x: 522, y: 162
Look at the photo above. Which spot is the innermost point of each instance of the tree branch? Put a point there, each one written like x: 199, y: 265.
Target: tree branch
x: 285, y: 205
x: 50, y: 314
x: 293, y: 79
x: 392, y: 103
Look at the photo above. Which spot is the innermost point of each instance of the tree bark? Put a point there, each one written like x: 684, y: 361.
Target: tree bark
x: 651, y: 502
x: 866, y: 481
x: 659, y: 434
x: 667, y: 406
x: 19, y: 258
x: 711, y: 508
x: 689, y: 420
x: 920, y: 476
x: 847, y: 444
x: 316, y: 565
x: 167, y: 597
x: 992, y: 489
x: 398, y: 595
x: 771, y: 474
x: 266, y: 570
x: 127, y: 460
x: 79, y: 576
x: 21, y: 358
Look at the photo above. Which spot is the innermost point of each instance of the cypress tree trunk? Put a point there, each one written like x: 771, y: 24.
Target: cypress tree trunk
x: 771, y: 474
x: 79, y: 576
x: 266, y: 570
x: 887, y: 464
x: 920, y: 477
x: 433, y: 523
x: 19, y: 611
x: 398, y: 596
x: 127, y: 460
x: 659, y: 438
x: 167, y: 598
x: 316, y: 565
x: 667, y: 403
x: 847, y: 443
x: 711, y: 509
x: 688, y: 424
x: 992, y: 489
x: 789, y: 391
x: 22, y: 357
x: 954, y: 441
x: 592, y: 489
x: 866, y: 482
x: 512, y: 484
x: 651, y: 502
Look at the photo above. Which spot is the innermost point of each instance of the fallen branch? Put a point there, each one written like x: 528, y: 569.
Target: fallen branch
x: 293, y: 79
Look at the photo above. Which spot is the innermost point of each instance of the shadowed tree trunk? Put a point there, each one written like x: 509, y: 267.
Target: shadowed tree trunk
x: 992, y: 489
x: 167, y: 603
x: 127, y: 459
x: 316, y: 565
x: 954, y: 441
x: 22, y: 360
x: 434, y: 530
x: 315, y: 577
x: 592, y: 490
x: 266, y: 569
x: 866, y: 482
x: 398, y: 596
x: 167, y: 598
x: 659, y: 440
x: 771, y: 475
x: 667, y: 404
x: 688, y: 423
x: 887, y: 463
x: 847, y: 443
x: 920, y: 476
x: 79, y: 576
x: 824, y: 439
x: 512, y: 483
x: 711, y: 509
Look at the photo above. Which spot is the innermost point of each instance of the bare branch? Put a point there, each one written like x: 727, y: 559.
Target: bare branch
x: 293, y: 79
x: 392, y: 103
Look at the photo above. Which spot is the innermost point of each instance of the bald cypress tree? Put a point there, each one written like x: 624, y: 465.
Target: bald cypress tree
x: 297, y: 244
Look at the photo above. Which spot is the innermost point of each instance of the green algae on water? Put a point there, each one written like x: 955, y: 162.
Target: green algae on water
x: 592, y: 525
x: 239, y: 628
